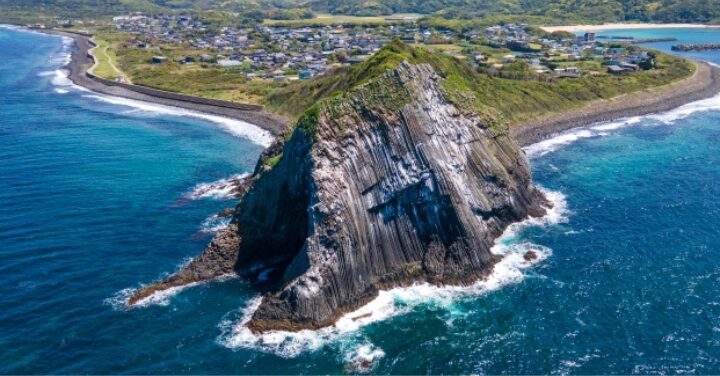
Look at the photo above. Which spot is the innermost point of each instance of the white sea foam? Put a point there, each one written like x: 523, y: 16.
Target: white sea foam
x: 686, y: 110
x: 223, y: 189
x: 235, y: 127
x: 362, y: 358
x: 214, y: 223
x: 119, y: 301
x: 397, y: 301
x: 603, y: 129
x: 60, y: 78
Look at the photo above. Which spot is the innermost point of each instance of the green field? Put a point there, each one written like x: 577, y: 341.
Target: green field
x: 509, y: 101
x: 334, y: 19
x: 105, y: 60
x: 203, y: 80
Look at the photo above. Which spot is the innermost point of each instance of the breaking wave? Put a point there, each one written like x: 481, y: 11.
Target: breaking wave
x: 214, y: 223
x: 237, y: 128
x: 223, y: 189
x: 60, y: 78
x: 360, y: 354
x: 603, y: 129
x: 119, y: 301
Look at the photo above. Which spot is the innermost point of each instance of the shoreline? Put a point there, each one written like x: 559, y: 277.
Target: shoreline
x: 626, y: 26
x: 703, y: 84
x: 81, y: 62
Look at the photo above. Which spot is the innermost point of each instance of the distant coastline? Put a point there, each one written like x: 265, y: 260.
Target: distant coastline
x: 612, y: 26
x: 81, y: 62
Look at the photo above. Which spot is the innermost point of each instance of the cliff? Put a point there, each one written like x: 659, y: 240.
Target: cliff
x: 383, y: 185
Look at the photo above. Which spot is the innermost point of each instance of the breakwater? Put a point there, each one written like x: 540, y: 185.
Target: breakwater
x: 653, y: 40
x: 696, y: 47
x: 613, y: 37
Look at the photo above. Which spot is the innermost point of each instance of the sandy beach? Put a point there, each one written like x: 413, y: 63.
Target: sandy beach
x: 626, y: 26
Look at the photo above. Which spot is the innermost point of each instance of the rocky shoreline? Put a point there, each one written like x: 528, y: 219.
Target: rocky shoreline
x: 704, y: 83
x: 81, y: 62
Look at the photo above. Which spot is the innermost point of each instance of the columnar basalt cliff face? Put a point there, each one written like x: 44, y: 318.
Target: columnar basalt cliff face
x: 383, y: 186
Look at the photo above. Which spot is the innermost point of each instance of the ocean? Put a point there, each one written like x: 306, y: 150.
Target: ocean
x: 100, y: 195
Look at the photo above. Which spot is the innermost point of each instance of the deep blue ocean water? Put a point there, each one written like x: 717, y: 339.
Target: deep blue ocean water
x: 94, y: 202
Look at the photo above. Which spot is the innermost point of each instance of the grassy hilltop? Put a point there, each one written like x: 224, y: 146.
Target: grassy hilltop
x: 524, y: 96
x: 511, y: 100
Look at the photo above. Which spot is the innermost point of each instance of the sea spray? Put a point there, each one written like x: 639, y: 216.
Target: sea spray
x: 223, y: 189
x: 214, y: 223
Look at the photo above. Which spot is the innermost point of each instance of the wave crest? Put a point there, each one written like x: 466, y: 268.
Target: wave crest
x: 223, y: 189
x: 237, y: 128
x: 561, y: 139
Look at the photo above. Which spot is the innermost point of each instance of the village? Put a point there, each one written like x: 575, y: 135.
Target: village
x: 289, y: 53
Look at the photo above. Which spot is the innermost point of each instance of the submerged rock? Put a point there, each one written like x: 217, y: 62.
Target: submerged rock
x: 388, y: 184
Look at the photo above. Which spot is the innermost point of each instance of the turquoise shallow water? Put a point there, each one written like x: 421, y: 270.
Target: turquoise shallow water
x: 94, y: 201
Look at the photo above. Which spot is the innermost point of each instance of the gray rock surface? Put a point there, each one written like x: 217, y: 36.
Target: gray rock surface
x: 384, y: 186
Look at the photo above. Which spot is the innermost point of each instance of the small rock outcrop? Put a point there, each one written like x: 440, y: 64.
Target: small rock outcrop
x: 388, y: 184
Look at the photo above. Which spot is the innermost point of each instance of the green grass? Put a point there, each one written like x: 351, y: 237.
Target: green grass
x: 203, y: 80
x: 498, y: 100
x: 334, y: 19
x: 106, y: 59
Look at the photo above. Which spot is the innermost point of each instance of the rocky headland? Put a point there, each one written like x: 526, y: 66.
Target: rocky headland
x: 398, y: 175
x: 385, y: 185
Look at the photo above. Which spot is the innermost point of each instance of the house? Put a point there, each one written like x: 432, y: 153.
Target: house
x: 568, y: 72
x: 227, y: 63
x: 305, y: 74
x: 159, y: 59
x: 630, y: 67
x: 508, y: 58
x: 615, y: 69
